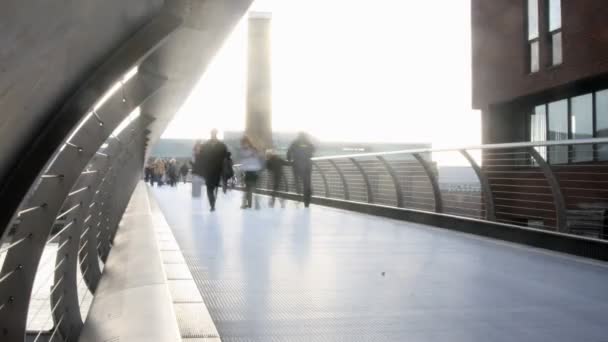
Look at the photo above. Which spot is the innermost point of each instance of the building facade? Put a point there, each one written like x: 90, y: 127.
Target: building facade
x: 540, y: 72
x: 540, y: 69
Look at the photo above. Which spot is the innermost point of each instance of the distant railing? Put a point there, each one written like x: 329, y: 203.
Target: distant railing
x: 553, y: 185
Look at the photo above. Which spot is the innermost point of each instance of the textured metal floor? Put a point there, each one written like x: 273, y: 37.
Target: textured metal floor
x: 329, y: 275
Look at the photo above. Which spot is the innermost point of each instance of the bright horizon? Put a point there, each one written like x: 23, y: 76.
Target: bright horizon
x: 349, y: 71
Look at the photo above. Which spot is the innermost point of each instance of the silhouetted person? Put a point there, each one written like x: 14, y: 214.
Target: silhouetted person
x: 227, y: 171
x: 149, y: 173
x: 275, y: 164
x: 251, y: 164
x: 172, y: 172
x: 197, y: 169
x: 159, y: 171
x: 183, y: 171
x: 212, y: 154
x: 299, y: 154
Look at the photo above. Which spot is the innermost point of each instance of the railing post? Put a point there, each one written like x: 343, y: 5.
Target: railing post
x: 393, y: 174
x: 341, y: 174
x: 485, y: 186
x: 370, y: 195
x: 558, y: 197
x: 433, y: 180
x: 322, y: 173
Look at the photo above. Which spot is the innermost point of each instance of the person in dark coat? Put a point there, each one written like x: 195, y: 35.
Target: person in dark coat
x: 299, y: 154
x: 227, y: 171
x: 212, y: 156
x: 183, y: 171
x: 275, y: 164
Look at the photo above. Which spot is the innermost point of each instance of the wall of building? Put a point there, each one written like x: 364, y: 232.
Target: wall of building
x: 500, y: 60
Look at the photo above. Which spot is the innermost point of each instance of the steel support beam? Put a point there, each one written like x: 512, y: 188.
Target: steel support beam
x: 322, y: 173
x: 486, y: 188
x: 433, y: 180
x: 393, y: 174
x: 341, y: 174
x: 368, y: 186
x: 558, y: 198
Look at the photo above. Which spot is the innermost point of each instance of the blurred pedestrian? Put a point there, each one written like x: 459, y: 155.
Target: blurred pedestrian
x: 227, y: 171
x: 275, y: 164
x: 251, y: 164
x: 183, y: 171
x: 197, y: 169
x: 172, y: 172
x: 212, y: 155
x: 299, y: 154
x: 159, y: 171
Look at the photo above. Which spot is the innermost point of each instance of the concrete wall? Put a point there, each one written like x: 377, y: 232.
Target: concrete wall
x: 47, y: 49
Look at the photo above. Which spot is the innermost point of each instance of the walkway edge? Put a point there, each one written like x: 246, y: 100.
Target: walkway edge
x: 554, y: 241
x: 193, y: 317
x: 133, y: 302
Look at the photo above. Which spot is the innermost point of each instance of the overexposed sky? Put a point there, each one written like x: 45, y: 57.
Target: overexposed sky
x: 350, y: 70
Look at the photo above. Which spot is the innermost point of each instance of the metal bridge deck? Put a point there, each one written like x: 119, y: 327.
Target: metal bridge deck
x: 321, y: 274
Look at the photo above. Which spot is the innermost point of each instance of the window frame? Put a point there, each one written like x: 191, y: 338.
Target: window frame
x: 530, y: 41
x: 571, y: 155
x: 552, y: 33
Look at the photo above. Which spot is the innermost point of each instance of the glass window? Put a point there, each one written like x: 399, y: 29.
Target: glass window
x: 601, y: 114
x: 556, y: 48
x: 555, y: 15
x: 582, y: 126
x: 558, y: 130
x: 534, y: 57
x: 538, y: 128
x: 532, y: 19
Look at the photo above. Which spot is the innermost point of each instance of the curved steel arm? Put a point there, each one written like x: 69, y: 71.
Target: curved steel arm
x: 322, y: 173
x: 370, y: 195
x: 341, y: 174
x: 486, y: 188
x: 558, y: 197
x: 433, y: 180
x: 393, y: 174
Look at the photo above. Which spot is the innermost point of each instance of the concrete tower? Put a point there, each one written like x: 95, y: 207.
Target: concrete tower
x: 259, y: 81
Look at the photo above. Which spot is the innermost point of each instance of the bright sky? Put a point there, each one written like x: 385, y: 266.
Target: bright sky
x: 350, y: 70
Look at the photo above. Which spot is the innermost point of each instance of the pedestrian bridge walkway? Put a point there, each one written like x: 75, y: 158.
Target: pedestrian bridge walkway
x: 323, y: 274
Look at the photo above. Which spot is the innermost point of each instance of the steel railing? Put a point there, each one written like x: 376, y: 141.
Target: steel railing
x: 553, y: 185
x: 51, y: 255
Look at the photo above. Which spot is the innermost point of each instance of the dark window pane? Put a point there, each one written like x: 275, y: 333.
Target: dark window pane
x: 601, y: 112
x: 555, y: 15
x: 582, y: 126
x: 558, y: 130
x: 532, y: 19
x: 556, y: 48
x: 534, y: 57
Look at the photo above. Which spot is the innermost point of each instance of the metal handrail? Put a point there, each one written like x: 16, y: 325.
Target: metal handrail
x: 570, y: 142
x: 570, y: 205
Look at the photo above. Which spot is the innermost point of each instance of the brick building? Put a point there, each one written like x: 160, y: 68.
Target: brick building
x: 530, y: 53
x: 540, y: 72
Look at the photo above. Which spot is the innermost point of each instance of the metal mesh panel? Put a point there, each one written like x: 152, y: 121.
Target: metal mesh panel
x: 415, y: 184
x: 357, y: 188
x: 381, y: 182
x: 336, y: 188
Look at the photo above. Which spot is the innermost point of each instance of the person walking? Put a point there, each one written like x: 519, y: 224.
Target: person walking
x: 274, y: 165
x: 251, y: 164
x: 299, y: 154
x: 212, y: 156
x: 183, y: 171
x: 227, y: 171
x: 172, y: 172
x: 197, y: 169
x: 159, y: 171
